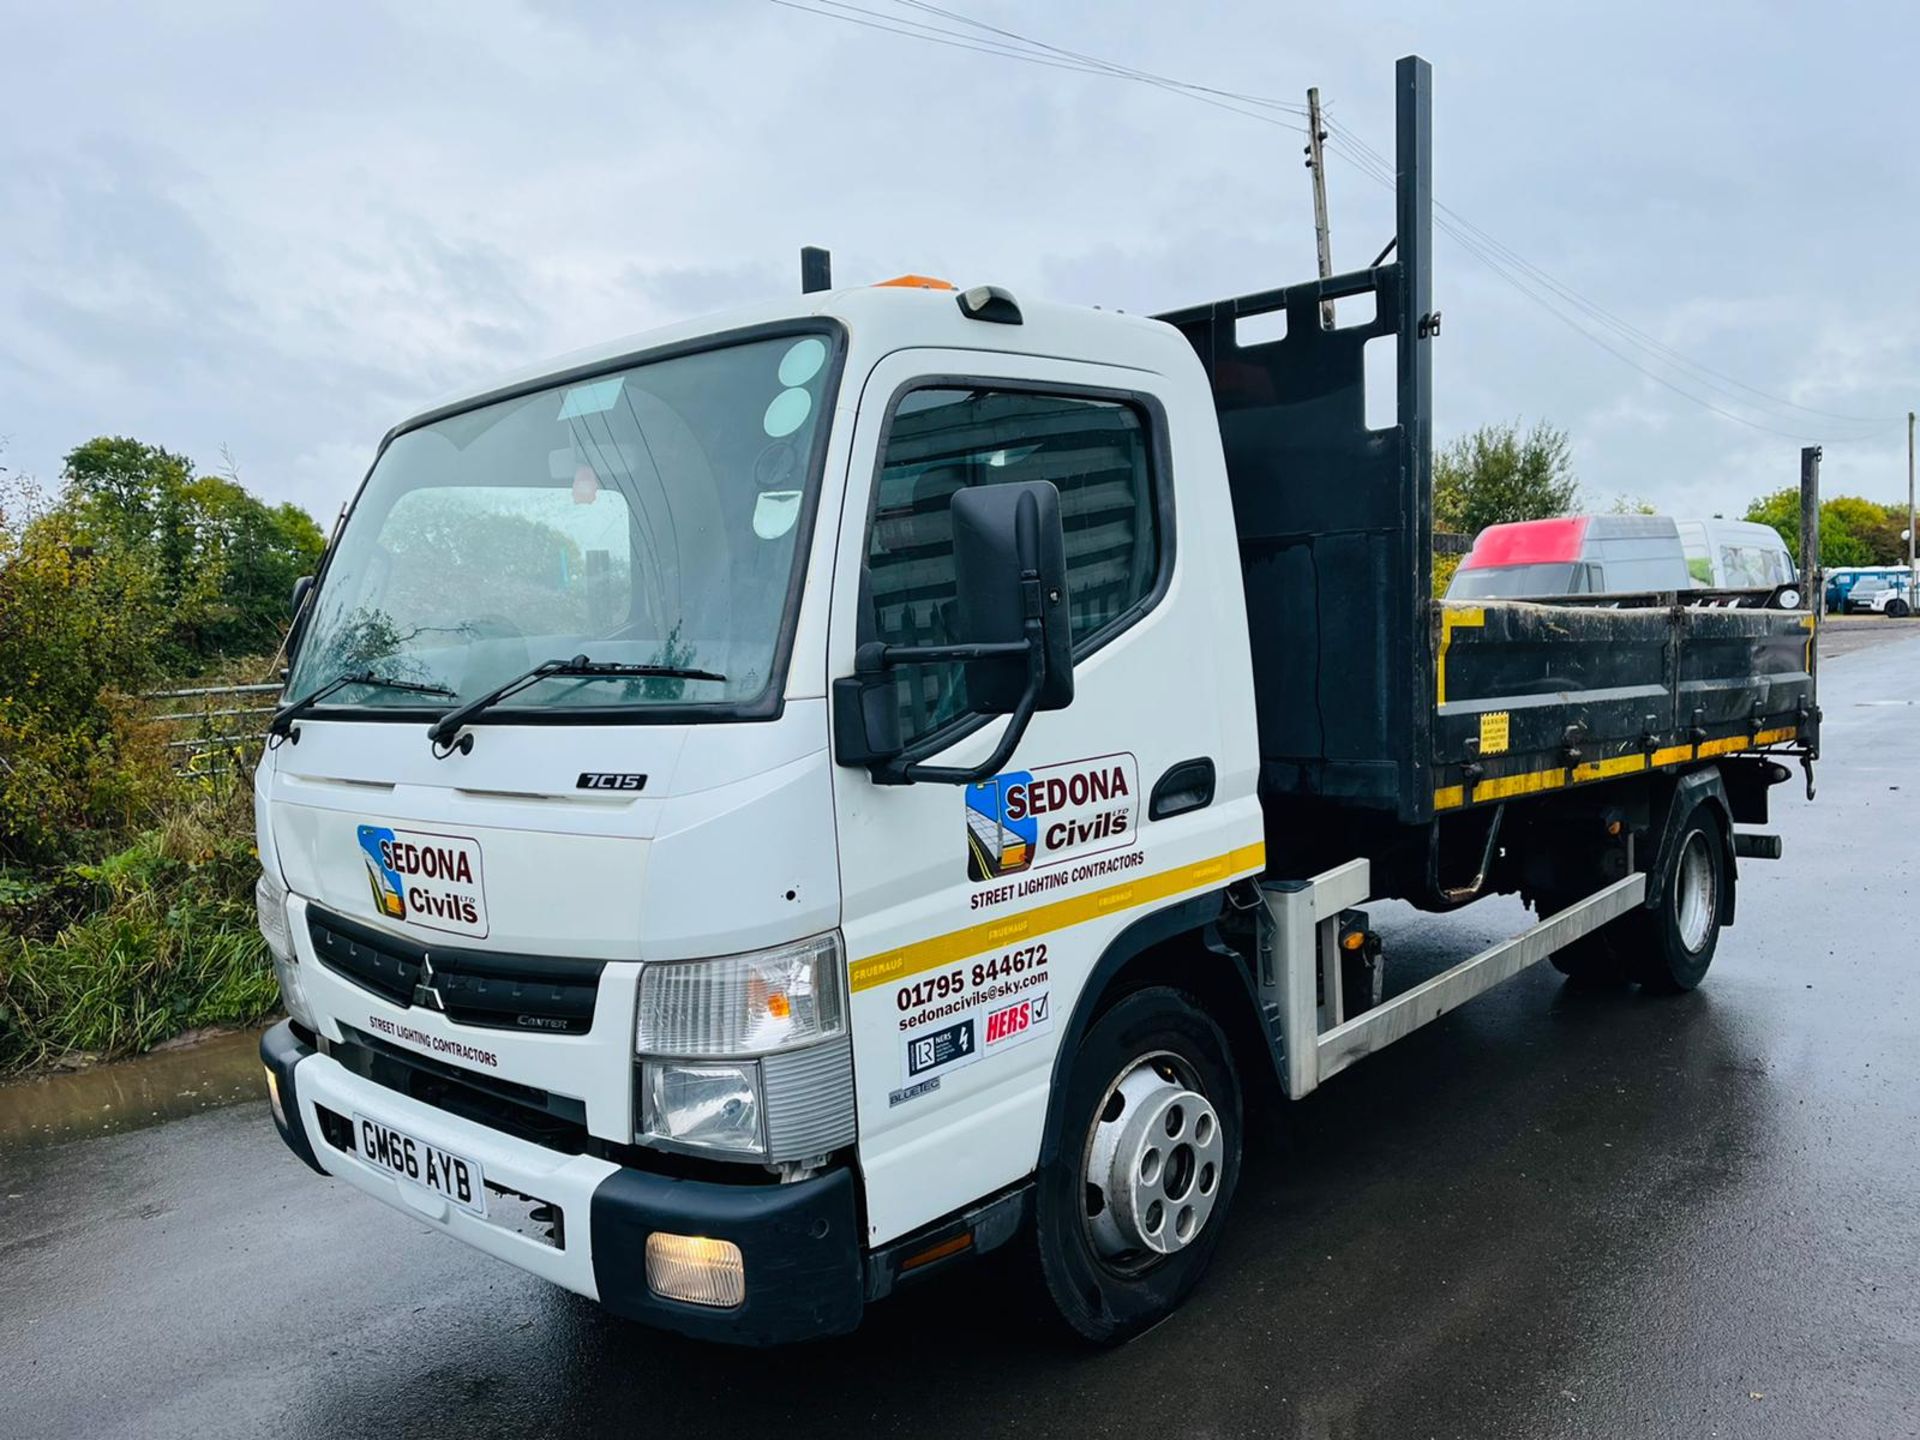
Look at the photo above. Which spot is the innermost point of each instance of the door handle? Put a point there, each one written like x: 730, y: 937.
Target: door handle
x: 1186, y: 786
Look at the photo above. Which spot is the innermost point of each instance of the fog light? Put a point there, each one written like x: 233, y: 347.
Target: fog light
x: 695, y: 1269
x: 273, y: 1095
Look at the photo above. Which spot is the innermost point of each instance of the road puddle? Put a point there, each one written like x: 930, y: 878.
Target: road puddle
x: 129, y: 1094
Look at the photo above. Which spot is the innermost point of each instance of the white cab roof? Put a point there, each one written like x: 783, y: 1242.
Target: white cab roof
x: 880, y: 319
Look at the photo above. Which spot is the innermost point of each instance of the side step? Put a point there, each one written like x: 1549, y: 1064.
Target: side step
x: 1308, y: 966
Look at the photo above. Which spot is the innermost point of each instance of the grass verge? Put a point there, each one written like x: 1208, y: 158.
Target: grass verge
x: 108, y: 958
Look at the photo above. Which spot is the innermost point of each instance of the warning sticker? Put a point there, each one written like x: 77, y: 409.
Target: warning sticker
x: 1495, y: 726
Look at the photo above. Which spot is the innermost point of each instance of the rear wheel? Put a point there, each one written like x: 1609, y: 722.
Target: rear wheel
x: 1898, y: 609
x: 1677, y: 937
x: 1127, y: 1215
x: 1667, y: 947
x: 1596, y: 958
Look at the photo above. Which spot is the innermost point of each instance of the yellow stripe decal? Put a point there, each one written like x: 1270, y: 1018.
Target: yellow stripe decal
x: 940, y: 950
x: 1452, y: 797
x: 1505, y: 787
x: 1452, y: 617
x: 1605, y: 769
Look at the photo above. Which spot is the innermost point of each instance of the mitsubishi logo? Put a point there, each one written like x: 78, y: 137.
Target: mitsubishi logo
x: 424, y: 992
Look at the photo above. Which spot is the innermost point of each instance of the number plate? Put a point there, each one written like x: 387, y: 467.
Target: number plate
x: 452, y: 1177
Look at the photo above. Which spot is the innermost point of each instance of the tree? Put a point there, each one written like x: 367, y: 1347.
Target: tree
x: 251, y: 553
x: 1877, y: 527
x: 221, y: 561
x: 1497, y: 474
x: 1839, y: 544
x: 137, y: 572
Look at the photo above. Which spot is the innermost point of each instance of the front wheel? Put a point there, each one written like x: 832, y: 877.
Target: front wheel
x: 1127, y: 1214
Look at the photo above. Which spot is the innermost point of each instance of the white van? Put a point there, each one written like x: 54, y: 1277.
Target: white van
x: 1735, y: 554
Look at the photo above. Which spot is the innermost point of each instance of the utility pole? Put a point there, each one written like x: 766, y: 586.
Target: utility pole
x: 1913, y: 590
x: 1317, y: 163
x: 1813, y: 583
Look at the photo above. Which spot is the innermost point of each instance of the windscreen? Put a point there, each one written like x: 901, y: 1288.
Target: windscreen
x: 647, y: 516
x: 1516, y: 582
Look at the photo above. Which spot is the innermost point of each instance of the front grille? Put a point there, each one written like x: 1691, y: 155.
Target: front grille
x: 538, y: 993
x: 558, y: 1122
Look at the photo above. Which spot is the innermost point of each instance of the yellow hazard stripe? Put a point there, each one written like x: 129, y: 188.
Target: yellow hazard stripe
x: 1451, y: 618
x: 1606, y: 769
x: 1505, y: 787
x: 940, y: 950
x: 1724, y: 746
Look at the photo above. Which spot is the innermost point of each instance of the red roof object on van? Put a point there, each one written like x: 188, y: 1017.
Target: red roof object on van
x: 1528, y: 542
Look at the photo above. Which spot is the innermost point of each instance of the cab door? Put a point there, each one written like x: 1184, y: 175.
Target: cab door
x: 973, y: 913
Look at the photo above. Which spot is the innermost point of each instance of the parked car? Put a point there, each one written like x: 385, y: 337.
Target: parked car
x: 1877, y: 590
x: 1735, y: 554
x: 1839, y: 585
x: 1889, y: 593
x: 1573, y: 555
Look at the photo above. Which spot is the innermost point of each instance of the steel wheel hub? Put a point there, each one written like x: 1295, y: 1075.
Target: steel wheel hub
x: 1695, y: 902
x: 1154, y: 1163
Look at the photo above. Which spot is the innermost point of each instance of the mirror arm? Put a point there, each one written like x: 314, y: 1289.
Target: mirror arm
x: 906, y: 769
x: 871, y: 659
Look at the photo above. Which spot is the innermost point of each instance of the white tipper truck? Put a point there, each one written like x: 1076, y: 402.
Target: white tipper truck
x: 768, y: 809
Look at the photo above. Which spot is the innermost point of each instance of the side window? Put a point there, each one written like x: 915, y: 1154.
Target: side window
x: 1096, y: 454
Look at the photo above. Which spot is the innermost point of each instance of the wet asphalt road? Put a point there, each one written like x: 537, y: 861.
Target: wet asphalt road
x: 1553, y: 1213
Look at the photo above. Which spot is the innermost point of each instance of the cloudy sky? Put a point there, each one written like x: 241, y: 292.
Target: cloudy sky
x: 279, y: 227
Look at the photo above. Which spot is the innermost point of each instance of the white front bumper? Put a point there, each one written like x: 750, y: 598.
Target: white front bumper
x: 564, y: 1181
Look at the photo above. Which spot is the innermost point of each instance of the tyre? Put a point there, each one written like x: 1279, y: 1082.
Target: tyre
x: 1594, y: 959
x: 1127, y: 1215
x: 1674, y: 941
x: 1898, y: 610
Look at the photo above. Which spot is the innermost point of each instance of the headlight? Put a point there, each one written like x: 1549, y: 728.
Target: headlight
x: 748, y: 1054
x: 753, y: 1004
x: 716, y: 1107
x: 270, y: 900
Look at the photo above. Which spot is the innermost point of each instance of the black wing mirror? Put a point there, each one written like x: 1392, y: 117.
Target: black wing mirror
x: 1015, y: 641
x: 300, y: 588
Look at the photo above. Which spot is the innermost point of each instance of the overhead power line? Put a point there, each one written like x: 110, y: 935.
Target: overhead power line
x: 1624, y: 328
x: 1029, y: 52
x: 1562, y: 301
x: 1524, y: 283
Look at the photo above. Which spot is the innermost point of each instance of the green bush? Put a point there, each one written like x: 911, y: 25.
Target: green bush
x: 126, y: 907
x: 110, y: 957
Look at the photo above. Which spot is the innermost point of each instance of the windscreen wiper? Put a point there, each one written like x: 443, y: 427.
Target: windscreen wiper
x: 443, y: 730
x: 281, y: 726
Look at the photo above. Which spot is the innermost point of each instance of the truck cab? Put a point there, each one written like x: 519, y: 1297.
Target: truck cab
x: 613, y: 948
